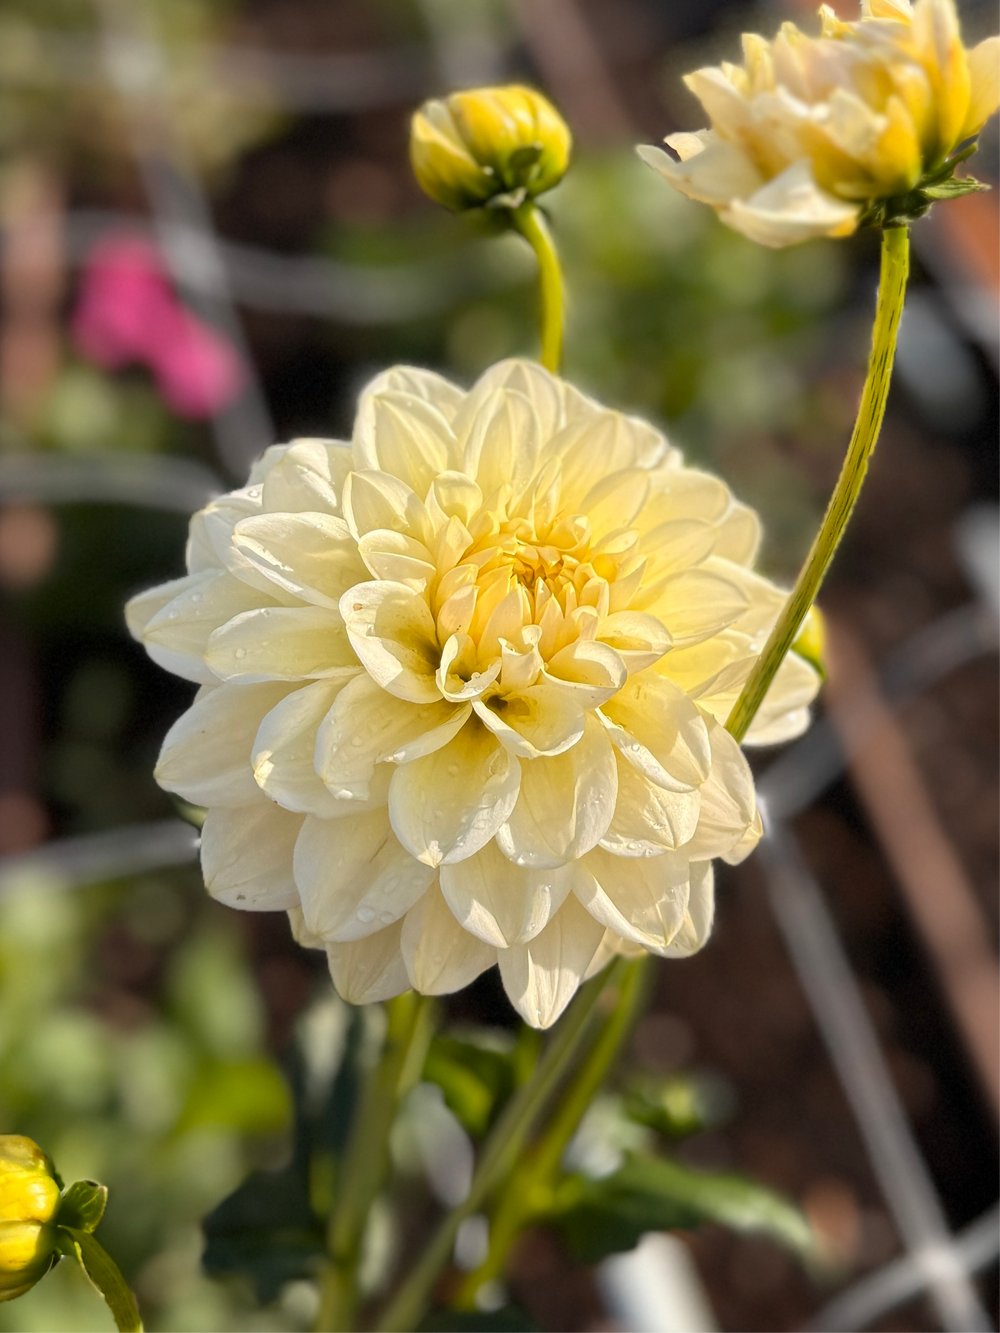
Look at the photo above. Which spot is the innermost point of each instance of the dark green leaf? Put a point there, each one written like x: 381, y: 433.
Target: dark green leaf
x: 82, y: 1205
x: 475, y: 1079
x: 510, y: 1319
x: 270, y: 1229
x: 600, y: 1217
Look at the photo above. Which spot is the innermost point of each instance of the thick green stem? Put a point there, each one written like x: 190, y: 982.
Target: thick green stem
x: 891, y: 292
x: 500, y: 1152
x: 365, y: 1159
x: 530, y: 222
x: 528, y: 1189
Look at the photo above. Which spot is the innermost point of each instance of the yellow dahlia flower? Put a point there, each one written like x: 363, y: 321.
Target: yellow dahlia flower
x: 813, y: 135
x: 29, y: 1196
x: 463, y: 683
x: 503, y: 144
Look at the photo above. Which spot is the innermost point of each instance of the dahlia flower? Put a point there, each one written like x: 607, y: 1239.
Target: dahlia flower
x: 810, y: 134
x: 463, y: 687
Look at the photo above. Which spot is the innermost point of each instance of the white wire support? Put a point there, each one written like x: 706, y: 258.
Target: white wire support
x: 826, y: 977
x: 975, y: 1248
x: 177, y: 485
x: 354, y: 294
x: 73, y: 863
x: 183, y: 219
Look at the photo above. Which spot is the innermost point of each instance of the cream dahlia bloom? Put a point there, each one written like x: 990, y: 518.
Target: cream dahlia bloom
x: 809, y: 132
x: 463, y: 683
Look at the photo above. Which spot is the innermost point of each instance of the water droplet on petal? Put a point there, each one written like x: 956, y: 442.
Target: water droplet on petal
x: 453, y: 770
x: 357, y: 740
x: 240, y: 654
x: 387, y: 918
x: 366, y: 914
x: 196, y: 597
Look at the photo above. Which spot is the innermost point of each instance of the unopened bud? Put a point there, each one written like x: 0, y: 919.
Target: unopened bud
x: 503, y: 145
x: 29, y: 1196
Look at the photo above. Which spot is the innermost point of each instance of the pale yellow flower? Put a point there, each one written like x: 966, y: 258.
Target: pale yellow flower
x: 29, y: 1197
x: 475, y: 146
x: 812, y: 135
x: 463, y: 683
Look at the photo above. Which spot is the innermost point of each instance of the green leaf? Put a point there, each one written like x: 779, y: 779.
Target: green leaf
x: 476, y: 1079
x: 271, y: 1228
x: 104, y: 1276
x: 600, y: 1217
x: 954, y: 188
x: 509, y: 1319
x: 82, y: 1205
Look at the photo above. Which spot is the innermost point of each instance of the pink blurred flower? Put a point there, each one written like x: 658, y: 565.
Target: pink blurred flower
x: 127, y: 313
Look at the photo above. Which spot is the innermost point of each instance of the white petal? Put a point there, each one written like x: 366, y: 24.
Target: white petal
x: 660, y: 731
x: 697, y: 924
x: 376, y: 500
x: 308, y: 478
x: 366, y: 726
x: 440, y: 956
x: 393, y: 633
x: 503, y: 443
x: 716, y: 174
x: 371, y: 969
x: 542, y: 976
x: 206, y: 753
x: 648, y: 819
x: 728, y: 803
x: 145, y: 606
x: 448, y: 804
x: 501, y: 903
x: 792, y: 208
x: 353, y: 876
x: 412, y: 440
x: 312, y: 556
x: 591, y: 671
x: 643, y: 900
x: 638, y: 639
x: 784, y: 714
x: 446, y: 397
x: 284, y: 750
x: 540, y: 720
x: 694, y: 604
x: 282, y: 643
x: 542, y: 390
x: 246, y: 856
x: 181, y: 629
x: 398, y: 558
x: 565, y: 805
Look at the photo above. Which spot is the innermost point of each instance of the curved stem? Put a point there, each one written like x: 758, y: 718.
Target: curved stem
x: 499, y: 1153
x: 365, y: 1157
x: 530, y: 222
x: 891, y: 292
x: 529, y: 1188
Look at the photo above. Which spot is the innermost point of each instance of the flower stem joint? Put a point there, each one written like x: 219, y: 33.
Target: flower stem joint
x: 489, y: 147
x: 29, y: 1199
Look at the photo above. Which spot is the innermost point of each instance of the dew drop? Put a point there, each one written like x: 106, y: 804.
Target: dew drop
x: 366, y: 914
x: 453, y: 770
x: 387, y: 918
x: 357, y: 741
x: 196, y: 597
x: 240, y: 654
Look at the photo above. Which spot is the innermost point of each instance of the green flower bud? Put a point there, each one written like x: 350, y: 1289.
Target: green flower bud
x: 29, y: 1196
x: 502, y: 144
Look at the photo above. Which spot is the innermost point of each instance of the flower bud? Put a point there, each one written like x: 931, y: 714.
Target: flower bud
x: 473, y: 147
x: 29, y: 1195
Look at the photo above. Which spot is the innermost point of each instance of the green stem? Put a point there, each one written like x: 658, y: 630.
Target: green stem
x: 500, y: 1153
x: 366, y: 1155
x: 891, y: 293
x: 529, y: 1189
x: 530, y: 222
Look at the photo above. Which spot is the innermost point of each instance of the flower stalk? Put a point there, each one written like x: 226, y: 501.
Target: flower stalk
x: 891, y: 294
x: 529, y: 1189
x: 530, y: 221
x: 501, y: 1150
x: 365, y: 1158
